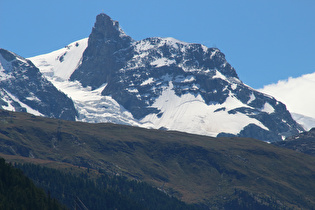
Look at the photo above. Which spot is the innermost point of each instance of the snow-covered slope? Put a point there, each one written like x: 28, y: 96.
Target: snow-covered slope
x: 190, y: 113
x: 23, y: 88
x: 92, y: 107
x: 161, y: 83
x: 296, y: 93
x: 61, y: 63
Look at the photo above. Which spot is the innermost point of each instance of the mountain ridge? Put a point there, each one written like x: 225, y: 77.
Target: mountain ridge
x: 23, y: 88
x: 159, y: 83
x: 165, y: 83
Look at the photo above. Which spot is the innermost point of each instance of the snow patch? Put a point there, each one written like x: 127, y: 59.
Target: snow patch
x: 143, y: 45
x: 234, y: 86
x: 33, y: 98
x: 218, y: 75
x: 268, y: 108
x: 187, y: 79
x: 132, y: 90
x: 251, y: 98
x: 162, y: 62
x: 213, y: 53
x: 204, y: 48
x: 187, y: 113
x: 28, y: 109
x: 147, y: 82
x: 172, y: 40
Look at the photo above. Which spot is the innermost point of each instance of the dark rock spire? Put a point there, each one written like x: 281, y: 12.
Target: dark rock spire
x: 107, y: 31
x: 101, y: 57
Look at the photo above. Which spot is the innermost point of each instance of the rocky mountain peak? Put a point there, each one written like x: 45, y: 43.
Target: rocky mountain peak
x: 165, y: 83
x: 107, y: 29
x: 101, y: 57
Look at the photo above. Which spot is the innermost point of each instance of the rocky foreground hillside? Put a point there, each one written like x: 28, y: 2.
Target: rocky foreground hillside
x: 196, y: 169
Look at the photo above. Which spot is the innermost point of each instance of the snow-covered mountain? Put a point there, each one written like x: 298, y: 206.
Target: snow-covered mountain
x: 23, y: 88
x: 91, y: 105
x: 295, y: 93
x: 161, y: 83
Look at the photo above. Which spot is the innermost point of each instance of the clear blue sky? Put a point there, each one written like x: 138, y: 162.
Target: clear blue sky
x: 264, y: 40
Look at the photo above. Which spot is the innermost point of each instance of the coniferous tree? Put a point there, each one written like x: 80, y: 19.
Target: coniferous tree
x: 18, y: 192
x: 105, y: 192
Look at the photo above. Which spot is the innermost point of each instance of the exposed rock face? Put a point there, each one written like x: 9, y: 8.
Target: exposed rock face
x: 101, y: 58
x: 23, y: 88
x: 304, y: 142
x: 161, y: 61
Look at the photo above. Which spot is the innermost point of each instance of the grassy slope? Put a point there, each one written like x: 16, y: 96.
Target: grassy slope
x: 194, y: 168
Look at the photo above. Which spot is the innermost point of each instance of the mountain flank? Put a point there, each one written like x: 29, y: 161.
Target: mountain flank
x: 195, y: 169
x: 24, y: 89
x: 304, y: 142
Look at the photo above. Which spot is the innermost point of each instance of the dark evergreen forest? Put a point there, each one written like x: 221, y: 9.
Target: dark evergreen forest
x: 24, y: 186
x: 104, y: 192
x: 18, y: 192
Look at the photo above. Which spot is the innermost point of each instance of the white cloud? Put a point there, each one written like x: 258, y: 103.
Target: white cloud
x: 297, y: 93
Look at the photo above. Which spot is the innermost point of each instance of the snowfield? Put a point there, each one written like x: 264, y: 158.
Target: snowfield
x: 61, y: 63
x: 191, y: 114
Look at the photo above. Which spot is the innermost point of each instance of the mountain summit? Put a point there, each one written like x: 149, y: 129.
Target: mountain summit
x: 100, y: 60
x: 162, y: 83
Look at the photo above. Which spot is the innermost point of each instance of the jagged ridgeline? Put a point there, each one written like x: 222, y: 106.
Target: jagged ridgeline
x: 163, y: 83
x: 160, y: 83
